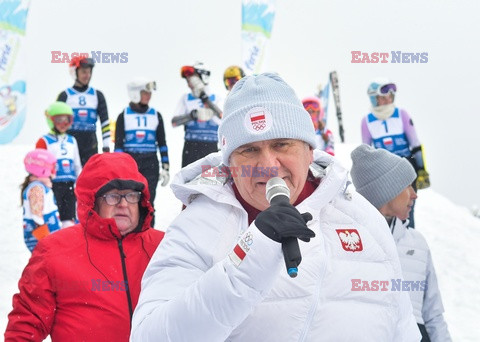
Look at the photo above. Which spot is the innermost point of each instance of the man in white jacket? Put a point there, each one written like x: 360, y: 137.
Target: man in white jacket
x: 385, y: 179
x: 219, y: 273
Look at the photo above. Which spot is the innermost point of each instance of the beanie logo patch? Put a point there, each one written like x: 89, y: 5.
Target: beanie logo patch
x: 258, y: 120
x: 350, y: 239
x: 224, y: 141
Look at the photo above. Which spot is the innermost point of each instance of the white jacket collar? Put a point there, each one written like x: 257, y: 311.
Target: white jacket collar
x: 398, y: 228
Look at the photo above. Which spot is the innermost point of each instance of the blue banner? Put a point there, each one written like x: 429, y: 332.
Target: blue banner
x: 13, y: 18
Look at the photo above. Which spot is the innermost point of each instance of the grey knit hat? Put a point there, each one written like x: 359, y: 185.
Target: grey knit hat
x: 263, y: 107
x: 379, y: 175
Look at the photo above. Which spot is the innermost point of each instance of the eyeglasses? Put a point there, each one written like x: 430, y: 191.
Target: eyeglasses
x: 60, y: 119
x: 187, y: 71
x: 311, y: 106
x: 114, y: 199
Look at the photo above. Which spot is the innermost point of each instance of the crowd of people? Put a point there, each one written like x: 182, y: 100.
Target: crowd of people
x: 99, y: 270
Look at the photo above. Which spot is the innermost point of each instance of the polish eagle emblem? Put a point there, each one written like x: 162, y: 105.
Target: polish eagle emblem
x: 350, y: 239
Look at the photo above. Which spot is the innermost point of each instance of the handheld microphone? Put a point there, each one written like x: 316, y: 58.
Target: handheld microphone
x: 277, y: 192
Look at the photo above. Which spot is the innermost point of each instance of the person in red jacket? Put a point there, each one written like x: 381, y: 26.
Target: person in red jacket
x: 83, y: 283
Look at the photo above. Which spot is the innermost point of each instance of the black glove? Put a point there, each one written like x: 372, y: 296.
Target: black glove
x: 283, y: 220
x: 193, y: 114
x: 204, y: 97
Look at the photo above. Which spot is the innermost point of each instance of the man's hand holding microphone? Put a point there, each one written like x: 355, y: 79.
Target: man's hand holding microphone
x: 283, y: 223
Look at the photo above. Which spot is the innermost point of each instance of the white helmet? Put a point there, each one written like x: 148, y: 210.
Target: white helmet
x: 202, y: 71
x: 135, y: 86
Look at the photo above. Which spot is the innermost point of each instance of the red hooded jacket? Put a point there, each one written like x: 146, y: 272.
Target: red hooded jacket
x: 82, y: 283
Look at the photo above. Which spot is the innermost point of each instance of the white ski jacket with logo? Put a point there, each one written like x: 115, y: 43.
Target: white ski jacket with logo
x: 417, y: 267
x: 194, y: 289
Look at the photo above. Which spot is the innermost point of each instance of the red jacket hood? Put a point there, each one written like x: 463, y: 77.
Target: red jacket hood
x: 98, y: 171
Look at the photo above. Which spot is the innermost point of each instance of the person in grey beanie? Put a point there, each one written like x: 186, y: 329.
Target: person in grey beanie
x: 385, y: 179
x: 220, y: 273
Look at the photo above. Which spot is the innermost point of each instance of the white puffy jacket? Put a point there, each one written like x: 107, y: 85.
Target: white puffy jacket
x: 193, y: 291
x: 417, y: 266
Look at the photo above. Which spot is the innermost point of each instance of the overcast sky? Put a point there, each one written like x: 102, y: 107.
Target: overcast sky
x: 309, y: 39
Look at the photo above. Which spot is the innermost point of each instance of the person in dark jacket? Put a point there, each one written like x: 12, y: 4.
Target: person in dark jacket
x: 88, y: 106
x: 140, y: 133
x: 83, y: 282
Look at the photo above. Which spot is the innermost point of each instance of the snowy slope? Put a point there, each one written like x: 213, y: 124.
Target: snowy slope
x: 451, y: 231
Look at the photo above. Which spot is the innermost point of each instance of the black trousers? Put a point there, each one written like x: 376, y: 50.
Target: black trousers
x: 195, y: 150
x: 87, y: 144
x: 66, y: 200
x: 149, y: 167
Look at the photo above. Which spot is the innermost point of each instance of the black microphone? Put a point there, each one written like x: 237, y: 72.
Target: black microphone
x: 277, y: 192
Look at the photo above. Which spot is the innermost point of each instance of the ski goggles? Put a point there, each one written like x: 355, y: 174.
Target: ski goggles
x: 86, y: 62
x: 150, y: 86
x: 187, y: 71
x: 62, y: 119
x: 385, y: 90
x: 311, y: 106
x: 230, y: 81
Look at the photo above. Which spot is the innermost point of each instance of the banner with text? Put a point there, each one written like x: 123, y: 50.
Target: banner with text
x: 13, y: 102
x: 257, y: 22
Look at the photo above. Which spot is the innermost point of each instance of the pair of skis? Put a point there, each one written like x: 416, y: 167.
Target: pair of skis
x: 324, y: 95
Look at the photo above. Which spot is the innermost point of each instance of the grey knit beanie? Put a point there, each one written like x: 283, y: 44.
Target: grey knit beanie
x: 379, y: 175
x: 263, y: 107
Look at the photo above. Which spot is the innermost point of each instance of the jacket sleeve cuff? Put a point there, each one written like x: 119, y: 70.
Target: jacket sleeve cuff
x: 255, y: 260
